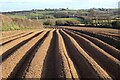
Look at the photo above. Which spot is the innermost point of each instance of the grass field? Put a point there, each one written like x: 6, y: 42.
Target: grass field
x: 70, y: 19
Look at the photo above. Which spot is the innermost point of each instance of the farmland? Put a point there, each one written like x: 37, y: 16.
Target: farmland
x: 61, y: 52
x: 100, y: 17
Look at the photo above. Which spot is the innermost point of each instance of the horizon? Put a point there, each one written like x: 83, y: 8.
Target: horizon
x: 54, y: 8
x: 14, y: 5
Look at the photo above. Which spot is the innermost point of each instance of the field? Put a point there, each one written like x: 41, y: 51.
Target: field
x: 64, y: 52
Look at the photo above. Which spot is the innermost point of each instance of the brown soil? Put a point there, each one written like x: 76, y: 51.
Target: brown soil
x: 59, y: 53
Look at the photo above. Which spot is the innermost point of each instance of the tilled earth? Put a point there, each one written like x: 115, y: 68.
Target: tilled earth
x: 62, y: 53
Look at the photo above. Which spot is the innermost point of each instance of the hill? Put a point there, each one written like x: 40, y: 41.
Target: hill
x: 9, y: 23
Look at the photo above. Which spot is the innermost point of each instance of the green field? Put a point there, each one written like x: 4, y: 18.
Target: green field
x: 70, y: 19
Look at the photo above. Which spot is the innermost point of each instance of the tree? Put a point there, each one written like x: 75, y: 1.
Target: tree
x: 73, y: 22
x: 67, y: 23
x: 60, y: 23
x: 116, y: 24
x: 47, y: 17
x: 61, y: 15
x: 49, y: 22
x: 94, y: 15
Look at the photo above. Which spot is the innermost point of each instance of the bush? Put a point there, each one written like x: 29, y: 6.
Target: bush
x: 61, y: 15
x: 47, y: 17
x: 49, y: 22
x: 60, y: 23
x: 73, y: 22
x: 67, y: 22
x: 116, y: 24
x: 11, y: 26
x: 8, y: 23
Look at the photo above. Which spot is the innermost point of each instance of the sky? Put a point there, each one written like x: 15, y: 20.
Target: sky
x: 16, y: 5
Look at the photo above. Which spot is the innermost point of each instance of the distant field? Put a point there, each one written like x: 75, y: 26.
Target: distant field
x: 70, y: 19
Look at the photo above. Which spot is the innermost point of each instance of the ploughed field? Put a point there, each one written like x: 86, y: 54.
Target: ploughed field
x: 61, y: 53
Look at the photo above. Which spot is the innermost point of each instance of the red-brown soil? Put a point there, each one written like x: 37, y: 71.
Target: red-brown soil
x: 66, y: 53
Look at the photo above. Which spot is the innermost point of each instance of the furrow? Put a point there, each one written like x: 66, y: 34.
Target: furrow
x: 105, y: 60
x: 60, y: 53
x: 11, y: 36
x: 35, y: 68
x: 69, y: 68
x: 106, y: 47
x: 110, y: 41
x: 13, y: 46
x: 115, y: 36
x: 102, y: 74
x: 12, y: 65
x: 26, y: 60
x: 53, y: 67
x: 82, y: 66
x: 107, y: 36
x: 14, y: 38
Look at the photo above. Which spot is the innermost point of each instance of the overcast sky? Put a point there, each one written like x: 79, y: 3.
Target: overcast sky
x: 11, y: 5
